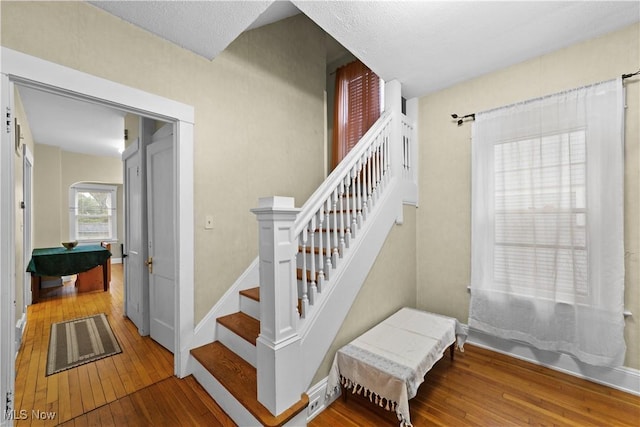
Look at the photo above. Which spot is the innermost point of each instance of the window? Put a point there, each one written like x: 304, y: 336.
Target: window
x: 547, y: 241
x: 92, y: 212
x: 540, y: 216
x: 357, y: 106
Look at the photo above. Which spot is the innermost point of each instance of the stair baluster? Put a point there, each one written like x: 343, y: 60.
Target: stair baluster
x: 347, y: 212
x: 335, y: 252
x: 321, y: 270
x: 313, y: 285
x: 340, y: 218
x: 329, y: 252
x: 359, y: 187
x: 354, y: 201
x: 304, y: 299
x: 376, y: 170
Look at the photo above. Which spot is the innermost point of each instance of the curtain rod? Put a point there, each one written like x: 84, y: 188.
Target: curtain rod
x: 462, y: 119
x: 626, y: 76
x: 472, y: 116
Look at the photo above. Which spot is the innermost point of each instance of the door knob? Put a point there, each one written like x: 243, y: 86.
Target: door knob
x: 149, y: 264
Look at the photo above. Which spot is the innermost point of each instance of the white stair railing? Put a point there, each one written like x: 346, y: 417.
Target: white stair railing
x: 330, y: 219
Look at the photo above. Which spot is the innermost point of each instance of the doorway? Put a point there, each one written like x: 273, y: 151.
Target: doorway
x: 149, y: 231
x: 35, y: 72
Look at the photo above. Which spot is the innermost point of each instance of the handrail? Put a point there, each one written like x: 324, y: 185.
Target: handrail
x: 314, y: 203
x: 332, y: 217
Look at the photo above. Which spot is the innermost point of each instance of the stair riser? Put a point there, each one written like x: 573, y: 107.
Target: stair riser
x: 237, y: 344
x: 250, y: 307
x: 240, y: 415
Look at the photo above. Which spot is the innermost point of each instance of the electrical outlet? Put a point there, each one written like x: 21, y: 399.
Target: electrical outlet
x: 314, y: 405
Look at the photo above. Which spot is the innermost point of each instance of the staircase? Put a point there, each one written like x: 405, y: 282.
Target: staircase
x: 259, y: 348
x: 228, y: 367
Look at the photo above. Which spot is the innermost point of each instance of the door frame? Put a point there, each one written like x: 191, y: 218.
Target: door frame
x: 7, y: 252
x: 44, y: 75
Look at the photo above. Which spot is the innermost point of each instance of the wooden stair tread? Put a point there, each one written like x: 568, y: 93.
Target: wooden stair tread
x: 242, y: 325
x: 253, y: 293
x: 239, y: 378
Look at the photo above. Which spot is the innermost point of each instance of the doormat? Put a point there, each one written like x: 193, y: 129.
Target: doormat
x: 79, y: 341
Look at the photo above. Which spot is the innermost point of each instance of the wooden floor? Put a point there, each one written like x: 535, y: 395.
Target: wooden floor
x: 484, y: 388
x: 135, y: 387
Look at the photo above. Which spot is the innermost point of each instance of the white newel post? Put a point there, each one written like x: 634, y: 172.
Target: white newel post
x: 279, y: 364
x: 393, y: 105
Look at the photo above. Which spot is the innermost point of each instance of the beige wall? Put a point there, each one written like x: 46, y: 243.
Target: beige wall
x: 47, y: 196
x: 259, y: 126
x: 443, y: 242
x: 389, y: 286
x: 55, y: 171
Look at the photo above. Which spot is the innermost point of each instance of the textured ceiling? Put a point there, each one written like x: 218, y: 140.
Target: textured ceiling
x: 429, y: 45
x: 204, y: 27
x: 426, y: 45
x: 73, y: 125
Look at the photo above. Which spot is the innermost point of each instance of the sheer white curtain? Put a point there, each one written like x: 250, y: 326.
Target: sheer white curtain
x: 547, y: 262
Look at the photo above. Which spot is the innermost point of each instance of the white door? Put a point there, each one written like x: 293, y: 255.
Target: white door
x: 161, y: 241
x: 134, y: 250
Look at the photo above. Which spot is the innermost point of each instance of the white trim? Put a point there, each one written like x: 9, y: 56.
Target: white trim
x: 318, y: 393
x: 185, y: 255
x: 622, y: 378
x: 35, y: 72
x: 7, y: 245
x: 21, y: 325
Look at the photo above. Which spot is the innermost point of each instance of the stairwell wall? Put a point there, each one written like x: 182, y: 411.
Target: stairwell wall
x: 390, y: 285
x: 259, y: 113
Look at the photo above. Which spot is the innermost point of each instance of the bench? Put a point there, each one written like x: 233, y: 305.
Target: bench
x: 388, y: 363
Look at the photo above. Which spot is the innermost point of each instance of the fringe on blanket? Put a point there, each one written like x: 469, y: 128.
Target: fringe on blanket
x: 381, y: 401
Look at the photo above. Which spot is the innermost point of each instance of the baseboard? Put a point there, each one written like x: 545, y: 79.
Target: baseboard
x: 21, y: 325
x: 318, y: 400
x: 116, y: 260
x: 621, y: 378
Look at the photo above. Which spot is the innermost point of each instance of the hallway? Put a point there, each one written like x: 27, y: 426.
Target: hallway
x: 135, y: 387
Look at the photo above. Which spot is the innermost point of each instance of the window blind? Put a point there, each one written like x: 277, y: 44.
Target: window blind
x: 357, y: 106
x: 540, y: 215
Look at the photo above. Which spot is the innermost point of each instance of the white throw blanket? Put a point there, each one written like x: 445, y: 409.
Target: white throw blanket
x: 388, y: 363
